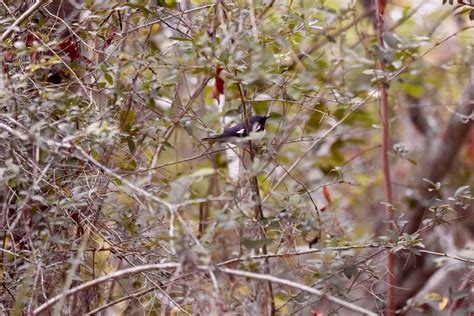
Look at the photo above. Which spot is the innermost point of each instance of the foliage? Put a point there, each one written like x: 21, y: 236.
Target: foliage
x: 102, y: 165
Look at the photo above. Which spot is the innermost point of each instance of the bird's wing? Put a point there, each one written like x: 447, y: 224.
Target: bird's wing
x: 238, y: 129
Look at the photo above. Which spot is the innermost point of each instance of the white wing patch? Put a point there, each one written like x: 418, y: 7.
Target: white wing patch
x: 241, y: 131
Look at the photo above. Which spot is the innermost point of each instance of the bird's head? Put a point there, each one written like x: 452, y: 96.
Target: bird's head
x: 258, y: 122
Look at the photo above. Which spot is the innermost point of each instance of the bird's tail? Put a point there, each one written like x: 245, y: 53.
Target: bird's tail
x: 210, y: 138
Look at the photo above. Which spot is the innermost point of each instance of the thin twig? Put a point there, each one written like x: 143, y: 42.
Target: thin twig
x: 124, y: 298
x: 259, y: 217
x: 169, y: 17
x: 149, y: 267
x: 325, y: 40
x: 112, y: 276
x: 170, y: 130
x: 303, y: 287
x: 21, y: 19
x: 342, y: 248
x: 72, y: 272
x: 253, y: 21
x: 316, y: 142
x: 385, y: 116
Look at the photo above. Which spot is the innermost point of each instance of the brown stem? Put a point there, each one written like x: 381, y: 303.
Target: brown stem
x: 265, y: 10
x: 204, y: 208
x: 384, y: 115
x: 256, y: 196
x: 417, y: 116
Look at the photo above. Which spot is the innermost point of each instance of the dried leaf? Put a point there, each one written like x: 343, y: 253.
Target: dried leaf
x: 218, y: 88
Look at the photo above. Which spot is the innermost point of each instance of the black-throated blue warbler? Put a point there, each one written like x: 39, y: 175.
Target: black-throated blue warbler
x: 256, y: 124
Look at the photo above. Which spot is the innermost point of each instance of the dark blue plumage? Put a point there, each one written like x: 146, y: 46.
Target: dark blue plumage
x: 257, y: 124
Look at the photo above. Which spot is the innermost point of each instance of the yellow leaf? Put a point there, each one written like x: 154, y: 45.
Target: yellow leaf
x: 243, y: 290
x: 443, y: 303
x: 34, y: 67
x: 432, y: 296
x: 154, y: 28
x: 280, y: 303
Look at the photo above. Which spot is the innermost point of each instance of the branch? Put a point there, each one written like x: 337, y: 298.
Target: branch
x: 170, y: 130
x: 299, y: 286
x: 441, y: 154
x: 300, y: 253
x: 417, y: 116
x: 370, y: 94
x: 112, y: 276
x: 171, y: 207
x: 342, y: 248
x: 324, y: 41
x: 258, y: 210
x: 144, y: 268
x: 385, y: 117
x: 168, y: 17
x: 124, y: 298
x: 21, y: 19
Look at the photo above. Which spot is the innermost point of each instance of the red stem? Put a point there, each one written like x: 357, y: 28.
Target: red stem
x: 384, y: 115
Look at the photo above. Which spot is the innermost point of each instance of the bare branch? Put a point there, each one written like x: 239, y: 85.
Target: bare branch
x: 112, y: 276
x: 303, y: 287
x: 317, y: 141
x: 21, y: 19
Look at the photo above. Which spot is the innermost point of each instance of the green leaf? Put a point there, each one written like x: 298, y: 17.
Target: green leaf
x: 180, y: 38
x: 364, y: 118
x: 276, y: 116
x: 109, y: 78
x: 414, y: 90
x: 131, y: 145
x: 204, y: 172
x: 138, y: 6
x: 167, y: 145
x: 233, y: 112
x: 130, y: 165
x: 260, y: 107
x: 167, y: 3
x: 256, y: 243
x: 127, y: 117
x: 314, y: 122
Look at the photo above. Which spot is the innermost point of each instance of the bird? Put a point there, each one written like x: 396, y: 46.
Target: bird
x: 256, y: 123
